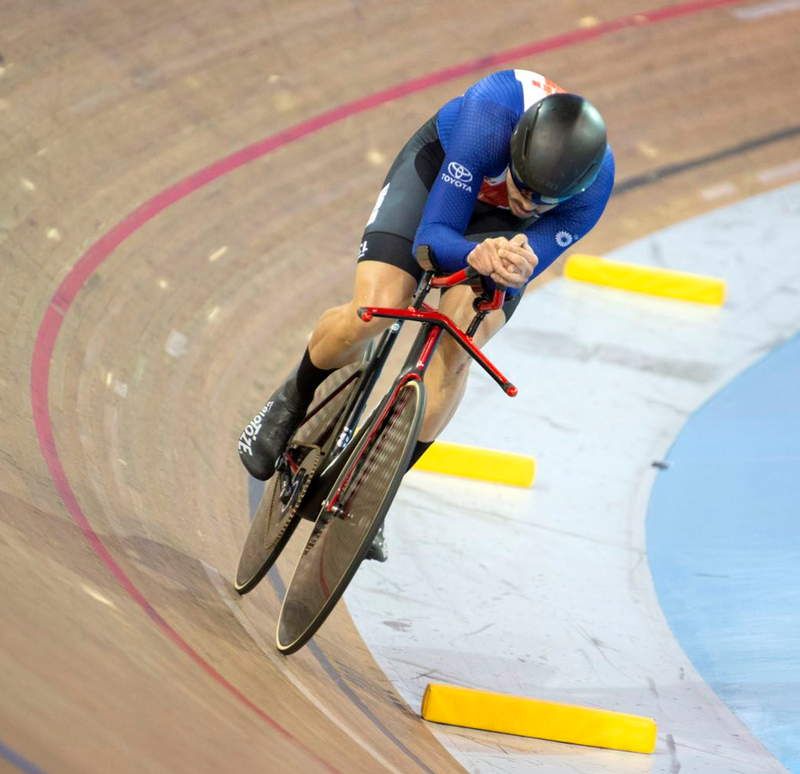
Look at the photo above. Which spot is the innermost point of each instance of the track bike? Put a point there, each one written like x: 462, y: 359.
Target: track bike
x: 343, y: 476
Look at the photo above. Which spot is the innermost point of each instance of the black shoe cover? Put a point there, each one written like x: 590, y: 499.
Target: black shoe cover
x: 263, y: 441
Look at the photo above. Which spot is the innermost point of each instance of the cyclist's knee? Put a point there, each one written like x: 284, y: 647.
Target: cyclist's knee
x: 357, y: 329
x: 377, y: 284
x: 382, y: 284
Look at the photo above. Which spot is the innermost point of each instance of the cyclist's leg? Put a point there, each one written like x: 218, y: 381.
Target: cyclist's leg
x: 340, y: 336
x: 387, y: 273
x: 446, y: 378
x: 386, y: 276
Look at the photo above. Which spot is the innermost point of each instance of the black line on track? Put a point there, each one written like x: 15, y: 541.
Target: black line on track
x: 255, y: 491
x: 656, y: 175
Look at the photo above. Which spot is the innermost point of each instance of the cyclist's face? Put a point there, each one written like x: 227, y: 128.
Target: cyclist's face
x: 521, y: 203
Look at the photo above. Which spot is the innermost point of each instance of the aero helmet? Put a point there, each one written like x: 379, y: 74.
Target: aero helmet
x: 557, y: 147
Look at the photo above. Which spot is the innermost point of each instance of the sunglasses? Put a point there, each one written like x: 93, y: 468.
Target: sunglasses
x: 536, y: 197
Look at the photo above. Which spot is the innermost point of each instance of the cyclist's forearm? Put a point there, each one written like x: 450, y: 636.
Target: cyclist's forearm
x: 449, y: 247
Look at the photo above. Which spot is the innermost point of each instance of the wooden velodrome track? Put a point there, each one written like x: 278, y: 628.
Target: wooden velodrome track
x: 144, y: 319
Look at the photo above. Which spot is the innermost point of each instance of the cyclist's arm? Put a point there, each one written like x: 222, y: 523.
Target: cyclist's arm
x: 478, y: 144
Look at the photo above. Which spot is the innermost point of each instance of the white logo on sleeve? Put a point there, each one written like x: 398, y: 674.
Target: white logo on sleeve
x: 458, y: 175
x: 459, y: 171
x: 565, y: 239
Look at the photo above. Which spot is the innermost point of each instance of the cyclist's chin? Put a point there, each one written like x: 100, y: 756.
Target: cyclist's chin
x: 519, y: 211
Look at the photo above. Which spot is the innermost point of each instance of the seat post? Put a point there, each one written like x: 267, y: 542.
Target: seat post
x: 475, y: 324
x: 423, y: 288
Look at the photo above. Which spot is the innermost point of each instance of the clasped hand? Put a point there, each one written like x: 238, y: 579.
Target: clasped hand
x: 507, y: 262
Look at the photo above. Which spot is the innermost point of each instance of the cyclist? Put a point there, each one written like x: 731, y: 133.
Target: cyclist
x: 503, y: 178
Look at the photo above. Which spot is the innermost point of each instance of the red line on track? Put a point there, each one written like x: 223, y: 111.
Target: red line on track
x: 62, y: 299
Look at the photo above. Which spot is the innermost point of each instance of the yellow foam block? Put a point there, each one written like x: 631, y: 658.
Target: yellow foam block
x: 646, y: 279
x: 484, y: 464
x: 506, y: 714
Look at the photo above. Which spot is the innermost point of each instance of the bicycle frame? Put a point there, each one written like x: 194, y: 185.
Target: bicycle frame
x: 358, y: 483
x: 434, y: 325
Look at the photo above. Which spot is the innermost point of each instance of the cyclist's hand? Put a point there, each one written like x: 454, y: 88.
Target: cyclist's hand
x: 484, y: 256
x: 515, y: 262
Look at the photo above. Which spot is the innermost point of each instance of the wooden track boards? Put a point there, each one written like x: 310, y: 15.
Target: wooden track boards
x: 168, y: 349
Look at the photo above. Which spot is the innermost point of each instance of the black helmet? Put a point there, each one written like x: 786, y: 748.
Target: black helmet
x: 558, y: 146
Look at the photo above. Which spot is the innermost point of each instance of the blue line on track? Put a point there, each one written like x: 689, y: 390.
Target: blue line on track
x: 723, y: 536
x: 23, y: 764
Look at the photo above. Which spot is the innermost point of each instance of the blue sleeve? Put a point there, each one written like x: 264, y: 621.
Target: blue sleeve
x: 563, y: 226
x: 478, y: 148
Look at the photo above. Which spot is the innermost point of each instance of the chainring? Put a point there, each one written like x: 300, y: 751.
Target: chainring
x: 286, y: 513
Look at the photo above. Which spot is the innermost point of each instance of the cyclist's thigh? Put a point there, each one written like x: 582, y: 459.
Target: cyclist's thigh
x: 382, y: 284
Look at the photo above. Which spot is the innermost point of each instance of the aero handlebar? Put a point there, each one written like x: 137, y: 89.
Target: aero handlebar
x: 471, y: 275
x: 420, y: 312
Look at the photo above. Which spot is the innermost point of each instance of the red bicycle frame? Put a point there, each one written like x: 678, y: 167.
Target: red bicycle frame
x: 422, y: 351
x: 441, y: 323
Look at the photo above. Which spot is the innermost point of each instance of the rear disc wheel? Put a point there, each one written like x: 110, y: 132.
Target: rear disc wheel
x: 277, y: 515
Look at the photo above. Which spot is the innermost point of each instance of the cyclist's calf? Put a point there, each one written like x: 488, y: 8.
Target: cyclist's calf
x: 447, y: 374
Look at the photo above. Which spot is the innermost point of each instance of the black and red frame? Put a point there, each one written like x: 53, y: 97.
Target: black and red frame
x: 437, y: 323
x: 434, y: 326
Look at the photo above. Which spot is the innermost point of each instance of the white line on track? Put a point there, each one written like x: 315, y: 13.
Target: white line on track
x: 781, y: 172
x: 277, y: 662
x: 756, y: 12
x: 719, y: 191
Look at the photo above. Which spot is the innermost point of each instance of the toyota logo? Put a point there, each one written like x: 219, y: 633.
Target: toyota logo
x: 459, y: 172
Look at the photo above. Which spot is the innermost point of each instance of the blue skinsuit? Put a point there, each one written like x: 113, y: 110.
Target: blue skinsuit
x: 475, y: 130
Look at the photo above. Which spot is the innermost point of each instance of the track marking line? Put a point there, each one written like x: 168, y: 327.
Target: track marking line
x: 719, y: 191
x: 23, y: 764
x: 94, y: 594
x: 217, y: 254
x: 780, y: 172
x: 280, y: 664
x: 757, y: 12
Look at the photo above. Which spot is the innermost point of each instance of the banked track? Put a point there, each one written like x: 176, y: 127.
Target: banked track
x: 144, y: 367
